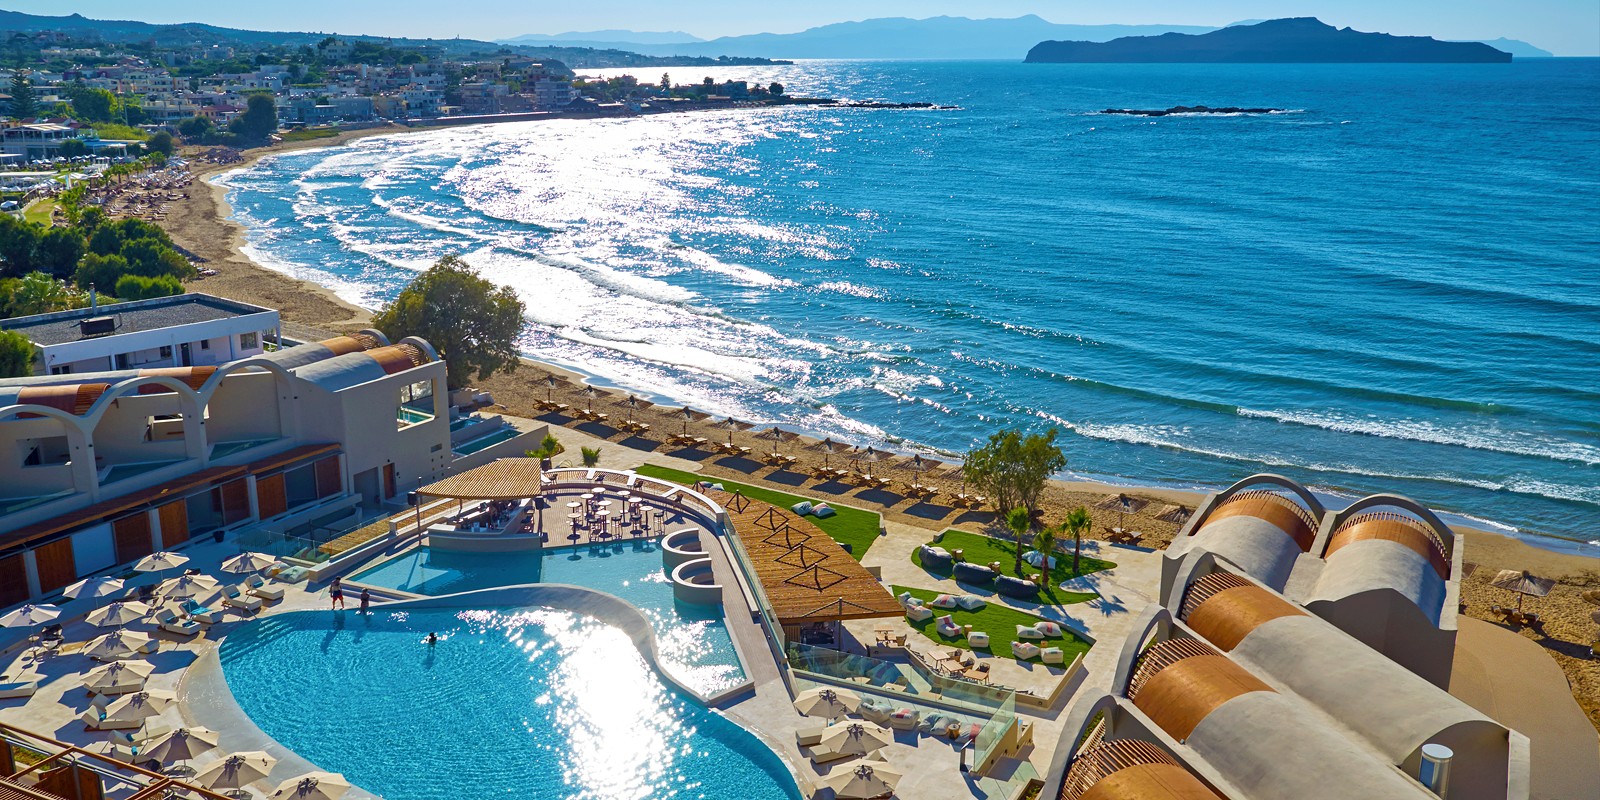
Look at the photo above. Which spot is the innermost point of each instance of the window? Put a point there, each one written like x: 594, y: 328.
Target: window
x: 66, y: 370
x: 249, y: 341
x: 205, y: 344
x: 416, y: 404
x: 166, y: 351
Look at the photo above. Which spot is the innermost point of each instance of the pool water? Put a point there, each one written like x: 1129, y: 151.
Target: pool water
x: 693, y: 640
x: 511, y: 702
x: 486, y: 441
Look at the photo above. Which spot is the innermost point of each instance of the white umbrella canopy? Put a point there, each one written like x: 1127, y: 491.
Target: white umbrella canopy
x: 156, y: 562
x: 117, y: 614
x: 117, y: 644
x: 236, y: 770
x: 856, y: 737
x: 313, y: 786
x: 115, y: 673
x: 826, y: 702
x: 93, y: 587
x: 140, y: 705
x: 248, y: 562
x: 185, y: 587
x: 865, y: 779
x: 181, y: 744
x: 29, y: 615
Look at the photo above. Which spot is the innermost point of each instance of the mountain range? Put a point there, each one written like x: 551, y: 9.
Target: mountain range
x: 1298, y: 40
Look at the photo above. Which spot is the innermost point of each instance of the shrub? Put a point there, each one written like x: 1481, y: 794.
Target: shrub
x: 591, y: 456
x: 16, y: 355
x: 139, y: 287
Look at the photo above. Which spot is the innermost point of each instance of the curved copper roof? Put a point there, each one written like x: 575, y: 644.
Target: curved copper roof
x: 73, y: 398
x: 1271, y: 507
x: 341, y: 345
x: 1225, y: 608
x: 1392, y: 527
x: 193, y: 377
x: 1179, y: 682
x: 1130, y: 769
x: 398, y: 357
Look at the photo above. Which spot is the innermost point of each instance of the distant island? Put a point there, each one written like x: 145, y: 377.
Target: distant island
x: 1165, y: 112
x: 1295, y: 40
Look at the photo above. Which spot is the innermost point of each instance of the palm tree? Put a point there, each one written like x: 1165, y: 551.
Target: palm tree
x: 1077, y: 523
x: 1019, y: 520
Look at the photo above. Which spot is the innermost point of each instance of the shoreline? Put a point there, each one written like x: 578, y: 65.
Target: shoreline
x: 205, y: 225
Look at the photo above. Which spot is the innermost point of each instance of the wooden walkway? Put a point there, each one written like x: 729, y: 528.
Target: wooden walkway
x: 805, y: 574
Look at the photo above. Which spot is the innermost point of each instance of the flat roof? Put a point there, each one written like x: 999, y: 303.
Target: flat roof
x: 61, y: 327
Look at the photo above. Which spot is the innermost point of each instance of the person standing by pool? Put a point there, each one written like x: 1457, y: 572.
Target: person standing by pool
x: 336, y: 593
x: 366, y: 601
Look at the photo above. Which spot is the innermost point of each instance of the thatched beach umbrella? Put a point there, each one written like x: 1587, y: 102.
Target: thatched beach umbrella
x: 1523, y: 583
x: 117, y: 614
x: 828, y: 447
x: 690, y: 415
x: 730, y: 425
x: 93, y: 587
x: 871, y: 456
x: 918, y: 465
x: 592, y: 393
x: 551, y: 381
x: 826, y: 702
x: 634, y: 403
x: 236, y: 771
x: 777, y: 436
x: 871, y: 778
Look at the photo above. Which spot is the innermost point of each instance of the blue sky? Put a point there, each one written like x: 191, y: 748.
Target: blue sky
x: 1566, y: 27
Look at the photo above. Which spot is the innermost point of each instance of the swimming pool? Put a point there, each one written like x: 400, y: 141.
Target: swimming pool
x: 526, y: 703
x: 693, y: 640
x: 485, y: 441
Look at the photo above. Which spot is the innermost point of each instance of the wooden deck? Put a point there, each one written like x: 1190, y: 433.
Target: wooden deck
x: 804, y: 573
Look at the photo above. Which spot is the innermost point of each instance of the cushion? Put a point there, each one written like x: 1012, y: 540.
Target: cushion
x: 908, y: 600
x: 970, y: 602
x: 1047, y: 628
x: 802, y: 508
x: 1016, y: 587
x: 943, y: 601
x: 978, y: 639
x: 974, y: 573
x: 1029, y: 632
x: 1024, y: 649
x: 822, y: 511
x: 919, y: 613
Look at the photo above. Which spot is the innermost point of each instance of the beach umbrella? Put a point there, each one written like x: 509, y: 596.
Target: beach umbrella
x: 917, y: 464
x: 872, y: 778
x: 30, y: 615
x: 313, y: 786
x: 117, y: 644
x: 93, y: 587
x: 117, y: 614
x: 115, y: 673
x: 181, y: 744
x: 248, y: 562
x: 871, y: 456
x: 186, y: 587
x: 689, y: 415
x: 1523, y: 583
x: 634, y: 403
x: 826, y: 702
x: 551, y: 381
x: 730, y: 425
x: 139, y: 706
x: 855, y: 737
x: 156, y: 562
x: 777, y: 436
x: 236, y: 770
x: 828, y: 447
x: 590, y: 393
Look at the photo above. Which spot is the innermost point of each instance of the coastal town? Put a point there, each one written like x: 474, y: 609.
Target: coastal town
x: 232, y: 494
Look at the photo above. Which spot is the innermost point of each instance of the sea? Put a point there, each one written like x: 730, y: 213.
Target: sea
x: 1390, y: 285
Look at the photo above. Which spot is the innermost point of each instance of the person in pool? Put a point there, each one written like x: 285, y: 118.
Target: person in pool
x: 366, y: 601
x: 433, y: 638
x: 336, y: 593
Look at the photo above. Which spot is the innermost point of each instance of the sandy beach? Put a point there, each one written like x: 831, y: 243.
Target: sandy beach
x: 201, y: 223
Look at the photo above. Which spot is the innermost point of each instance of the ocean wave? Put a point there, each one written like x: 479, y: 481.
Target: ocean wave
x: 853, y: 290
x: 1509, y: 442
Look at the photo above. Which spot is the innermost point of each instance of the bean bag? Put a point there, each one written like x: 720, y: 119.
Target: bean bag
x: 947, y: 627
x: 943, y: 601
x: 1016, y: 587
x: 1048, y: 628
x: 908, y: 600
x: 978, y: 639
x: 1029, y: 632
x: 822, y: 511
x: 976, y: 574
x: 1052, y: 655
x: 1033, y: 557
x: 802, y: 508
x: 919, y: 614
x: 1024, y: 650
x: 970, y: 602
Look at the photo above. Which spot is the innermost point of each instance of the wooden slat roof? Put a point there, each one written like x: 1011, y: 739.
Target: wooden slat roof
x: 505, y: 479
x: 289, y: 456
x: 106, y: 508
x: 805, y: 575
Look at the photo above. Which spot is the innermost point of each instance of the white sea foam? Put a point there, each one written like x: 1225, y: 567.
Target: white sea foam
x: 1475, y: 437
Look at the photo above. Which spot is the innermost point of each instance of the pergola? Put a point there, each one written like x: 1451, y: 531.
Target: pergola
x: 505, y: 479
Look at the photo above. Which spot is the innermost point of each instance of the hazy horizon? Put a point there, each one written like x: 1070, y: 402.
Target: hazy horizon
x: 1564, y: 27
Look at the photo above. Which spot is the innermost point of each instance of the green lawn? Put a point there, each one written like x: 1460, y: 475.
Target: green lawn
x: 980, y: 549
x: 307, y: 134
x: 851, y: 526
x: 39, y: 212
x: 999, y: 621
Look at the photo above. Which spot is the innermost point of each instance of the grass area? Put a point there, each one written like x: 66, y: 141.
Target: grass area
x: 308, y: 134
x: 999, y: 621
x: 980, y: 549
x: 111, y: 130
x: 39, y: 212
x: 851, y: 526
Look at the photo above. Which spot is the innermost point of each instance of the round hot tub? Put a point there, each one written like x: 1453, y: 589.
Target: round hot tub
x: 680, y: 547
x: 694, y: 582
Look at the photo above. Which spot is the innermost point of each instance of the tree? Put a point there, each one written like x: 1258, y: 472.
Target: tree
x: 38, y: 293
x: 259, y: 120
x: 58, y: 251
x: 16, y: 355
x: 18, y: 242
x: 24, y: 101
x: 775, y: 89
x: 93, y: 105
x: 1077, y: 523
x: 196, y: 128
x: 159, y: 142
x: 138, y: 287
x: 1045, y: 542
x: 472, y: 323
x: 1018, y: 521
x: 73, y: 148
x: 548, y: 447
x: 666, y: 82
x: 100, y: 271
x: 1013, y: 468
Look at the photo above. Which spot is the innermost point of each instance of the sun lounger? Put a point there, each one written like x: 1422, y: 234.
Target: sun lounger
x: 18, y: 687
x: 903, y: 720
x: 259, y: 587
x: 824, y: 756
x: 231, y: 596
x: 170, y: 622
x: 94, y: 719
x: 809, y: 737
x: 1024, y: 650
x: 200, y: 613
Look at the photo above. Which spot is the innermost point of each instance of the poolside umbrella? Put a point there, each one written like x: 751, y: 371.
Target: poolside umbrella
x: 139, y: 705
x: 236, y: 770
x: 313, y: 786
x: 117, y: 644
x: 689, y: 415
x: 118, y: 614
x: 181, y: 744
x: 634, y: 403
x: 730, y: 425
x: 873, y: 778
x: 855, y: 737
x: 1523, y: 583
x: 30, y: 615
x: 777, y: 436
x: 93, y: 587
x: 248, y: 562
x: 113, y: 674
x: 187, y: 587
x: 156, y: 562
x: 826, y: 702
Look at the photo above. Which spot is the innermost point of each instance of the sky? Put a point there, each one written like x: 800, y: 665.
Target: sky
x: 1565, y: 27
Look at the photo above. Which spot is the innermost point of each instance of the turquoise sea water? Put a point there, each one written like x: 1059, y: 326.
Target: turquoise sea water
x: 693, y: 641
x: 1394, y: 286
x: 513, y: 703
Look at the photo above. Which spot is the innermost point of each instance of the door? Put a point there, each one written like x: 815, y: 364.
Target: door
x: 235, y: 501
x: 389, y: 489
x: 131, y: 537
x: 57, y: 567
x: 183, y: 352
x: 174, y: 519
x: 328, y: 481
x: 270, y: 498
x: 13, y: 580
